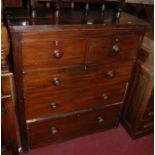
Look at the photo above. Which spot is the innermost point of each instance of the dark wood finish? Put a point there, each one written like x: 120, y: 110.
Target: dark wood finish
x: 54, y: 104
x: 99, y: 49
x: 139, y: 105
x: 147, y: 8
x: 46, y: 57
x: 113, y: 48
x: 101, y: 7
x: 66, y: 65
x: 57, y: 130
x: 74, y: 17
x: 74, y: 78
x: 59, y: 3
x: 19, y: 91
x: 12, y: 3
x: 34, y: 3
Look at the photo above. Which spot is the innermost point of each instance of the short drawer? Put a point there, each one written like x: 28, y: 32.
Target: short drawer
x: 113, y: 48
x: 60, y: 129
x: 56, y: 81
x: 74, y: 100
x: 53, y: 53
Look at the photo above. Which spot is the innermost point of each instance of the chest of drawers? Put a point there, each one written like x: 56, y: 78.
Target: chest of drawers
x: 71, y: 78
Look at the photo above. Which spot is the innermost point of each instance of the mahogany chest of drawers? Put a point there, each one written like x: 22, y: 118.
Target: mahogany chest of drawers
x: 71, y: 77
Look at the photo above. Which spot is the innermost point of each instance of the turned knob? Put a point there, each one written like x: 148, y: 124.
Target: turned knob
x: 53, y: 106
x: 100, y: 119
x: 54, y: 130
x: 105, y: 96
x: 115, y: 49
x: 56, y: 81
x: 57, y: 54
x: 110, y: 74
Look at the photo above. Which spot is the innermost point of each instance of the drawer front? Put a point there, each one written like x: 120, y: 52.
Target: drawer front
x: 57, y: 81
x: 61, y: 129
x: 73, y: 100
x: 110, y: 49
x: 51, y: 54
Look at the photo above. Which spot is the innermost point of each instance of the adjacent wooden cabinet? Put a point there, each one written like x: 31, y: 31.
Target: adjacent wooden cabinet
x: 9, y: 132
x: 71, y: 71
x: 9, y: 137
x: 138, y: 114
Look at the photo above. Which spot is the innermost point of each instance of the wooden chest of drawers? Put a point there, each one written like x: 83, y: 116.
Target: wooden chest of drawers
x: 71, y: 78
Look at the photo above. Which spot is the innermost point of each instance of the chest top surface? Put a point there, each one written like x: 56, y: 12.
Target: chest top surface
x: 47, y: 19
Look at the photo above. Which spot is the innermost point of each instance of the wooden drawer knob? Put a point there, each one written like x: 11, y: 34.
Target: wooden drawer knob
x: 110, y: 74
x: 54, y: 130
x: 57, y: 54
x: 100, y: 119
x: 115, y: 49
x: 105, y: 96
x: 56, y: 81
x: 53, y: 105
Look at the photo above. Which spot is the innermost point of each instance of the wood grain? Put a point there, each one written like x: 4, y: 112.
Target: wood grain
x: 73, y: 100
x: 138, y: 112
x: 87, y: 68
x: 72, y: 126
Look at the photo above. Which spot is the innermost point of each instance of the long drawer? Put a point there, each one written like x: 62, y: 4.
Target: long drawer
x: 57, y: 81
x: 60, y: 129
x: 73, y: 100
x: 53, y: 53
